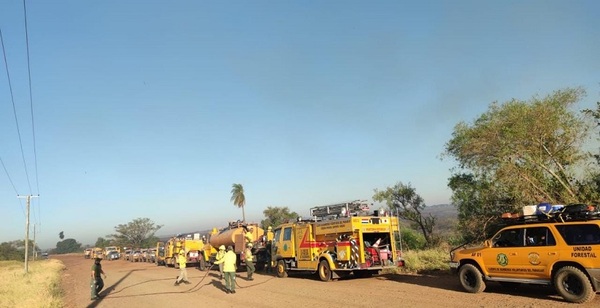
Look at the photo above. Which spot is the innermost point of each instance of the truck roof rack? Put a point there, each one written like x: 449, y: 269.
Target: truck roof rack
x: 344, y: 209
x: 571, y: 212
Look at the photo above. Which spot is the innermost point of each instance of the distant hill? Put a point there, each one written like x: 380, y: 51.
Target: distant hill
x: 442, y: 211
x: 446, y: 216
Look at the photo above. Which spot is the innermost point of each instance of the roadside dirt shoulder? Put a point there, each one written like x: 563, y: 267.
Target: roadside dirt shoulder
x: 131, y: 284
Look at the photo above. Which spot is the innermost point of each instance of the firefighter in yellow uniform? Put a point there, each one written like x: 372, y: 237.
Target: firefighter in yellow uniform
x: 220, y: 255
x: 182, y: 260
x: 228, y: 261
x: 269, y: 234
x: 249, y: 236
x: 269, y: 247
x: 249, y: 259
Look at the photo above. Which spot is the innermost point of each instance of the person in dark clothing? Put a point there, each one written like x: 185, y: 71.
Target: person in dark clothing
x: 97, y: 283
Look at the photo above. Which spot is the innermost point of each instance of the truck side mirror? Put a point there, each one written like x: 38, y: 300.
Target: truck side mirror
x: 487, y: 243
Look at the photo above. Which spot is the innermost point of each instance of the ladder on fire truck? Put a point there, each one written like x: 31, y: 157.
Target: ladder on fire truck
x: 345, y: 209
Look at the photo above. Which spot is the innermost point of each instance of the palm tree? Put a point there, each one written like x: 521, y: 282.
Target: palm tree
x: 238, y: 198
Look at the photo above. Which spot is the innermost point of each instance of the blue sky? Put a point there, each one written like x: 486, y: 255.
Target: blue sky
x: 155, y: 108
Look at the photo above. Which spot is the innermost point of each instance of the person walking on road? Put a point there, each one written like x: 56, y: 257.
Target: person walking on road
x: 97, y: 284
x: 269, y: 247
x: 219, y: 256
x: 249, y: 259
x: 228, y: 261
x: 182, y: 260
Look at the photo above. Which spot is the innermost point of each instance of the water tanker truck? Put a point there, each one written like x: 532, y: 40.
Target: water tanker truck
x: 234, y: 235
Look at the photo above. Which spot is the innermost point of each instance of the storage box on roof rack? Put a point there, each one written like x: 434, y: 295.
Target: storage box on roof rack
x: 548, y: 212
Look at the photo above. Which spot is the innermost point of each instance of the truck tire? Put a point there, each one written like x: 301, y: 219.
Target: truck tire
x: 471, y: 278
x: 281, y: 269
x: 201, y: 263
x: 324, y: 271
x: 573, y: 285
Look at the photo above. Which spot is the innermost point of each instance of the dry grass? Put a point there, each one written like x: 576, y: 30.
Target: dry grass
x: 424, y: 261
x: 39, y: 288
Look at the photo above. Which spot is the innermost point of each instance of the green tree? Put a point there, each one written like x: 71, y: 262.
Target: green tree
x: 102, y: 242
x: 593, y: 184
x: 61, y: 235
x: 10, y: 252
x: 412, y: 240
x: 150, y: 242
x: 15, y: 250
x: 135, y: 233
x: 403, y: 200
x: 274, y: 216
x: 519, y: 153
x: 480, y: 204
x: 532, y: 149
x: 238, y: 198
x: 67, y: 246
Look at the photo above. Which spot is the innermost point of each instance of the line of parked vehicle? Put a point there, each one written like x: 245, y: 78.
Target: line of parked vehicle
x: 140, y: 255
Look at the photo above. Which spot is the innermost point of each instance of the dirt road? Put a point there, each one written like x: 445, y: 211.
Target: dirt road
x: 147, y: 285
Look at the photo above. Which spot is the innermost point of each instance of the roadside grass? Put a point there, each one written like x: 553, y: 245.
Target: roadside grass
x: 425, y: 261
x: 39, y: 288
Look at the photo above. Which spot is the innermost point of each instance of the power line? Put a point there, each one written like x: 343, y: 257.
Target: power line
x: 14, y: 109
x: 8, y: 175
x: 11, y: 183
x: 31, y: 98
x: 37, y: 182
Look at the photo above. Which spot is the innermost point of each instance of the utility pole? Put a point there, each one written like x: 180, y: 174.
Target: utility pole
x: 34, y: 250
x: 28, y: 197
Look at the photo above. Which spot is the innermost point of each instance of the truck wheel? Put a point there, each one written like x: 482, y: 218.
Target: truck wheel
x: 201, y: 263
x: 281, y: 269
x: 573, y: 285
x: 471, y: 278
x: 324, y: 271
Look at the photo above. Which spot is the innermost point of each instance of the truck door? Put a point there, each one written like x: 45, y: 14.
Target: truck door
x: 285, y: 242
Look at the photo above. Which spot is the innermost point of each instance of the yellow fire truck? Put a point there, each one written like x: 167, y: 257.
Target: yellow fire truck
x: 97, y: 253
x: 160, y: 253
x: 190, y: 243
x: 338, y: 241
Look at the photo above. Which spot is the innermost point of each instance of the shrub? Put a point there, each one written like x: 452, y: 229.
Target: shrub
x: 412, y: 239
x: 429, y: 260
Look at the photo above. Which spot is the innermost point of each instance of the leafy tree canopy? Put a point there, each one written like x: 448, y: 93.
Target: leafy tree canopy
x: 14, y: 250
x: 67, y: 246
x: 520, y: 153
x: 274, y: 216
x: 532, y: 149
x: 102, y: 242
x: 404, y: 200
x: 136, y: 233
x: 480, y: 205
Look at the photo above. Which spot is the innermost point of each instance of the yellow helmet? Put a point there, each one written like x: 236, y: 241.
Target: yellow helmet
x: 269, y: 228
x: 222, y: 247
